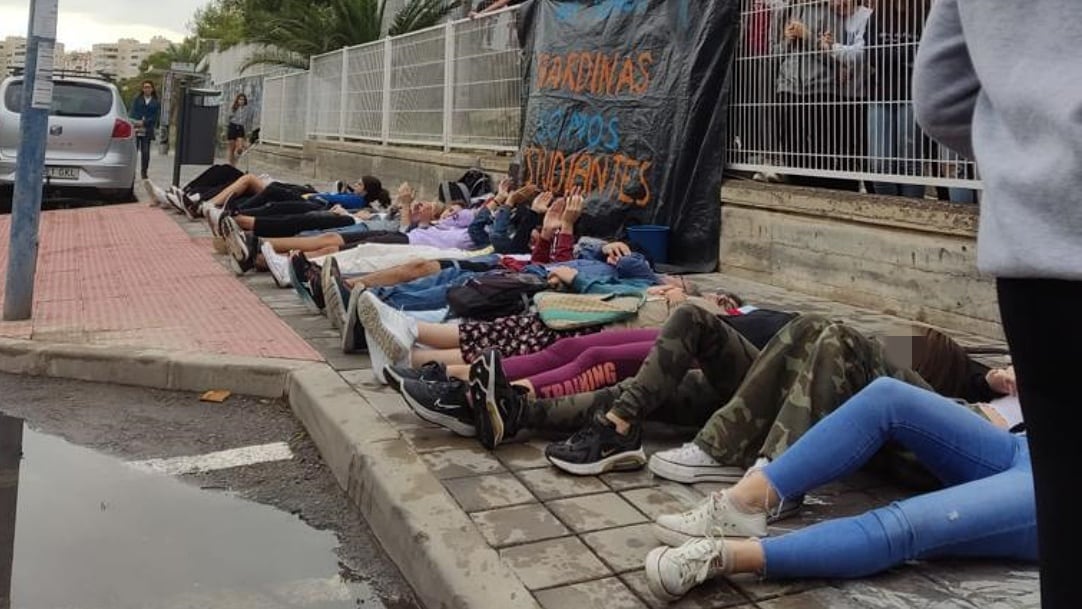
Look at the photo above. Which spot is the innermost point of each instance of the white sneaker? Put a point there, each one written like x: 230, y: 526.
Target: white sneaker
x: 391, y: 330
x: 671, y: 572
x: 715, y: 516
x: 333, y: 304
x: 277, y: 264
x: 689, y: 464
x: 214, y: 217
x: 156, y: 193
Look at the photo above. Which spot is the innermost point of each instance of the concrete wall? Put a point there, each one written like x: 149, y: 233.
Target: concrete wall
x: 915, y: 259
x: 423, y: 168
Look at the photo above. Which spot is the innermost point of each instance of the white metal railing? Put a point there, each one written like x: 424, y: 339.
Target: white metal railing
x: 834, y: 106
x: 453, y: 85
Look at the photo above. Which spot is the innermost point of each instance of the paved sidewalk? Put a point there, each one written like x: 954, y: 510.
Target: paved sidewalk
x: 577, y: 543
x: 128, y: 275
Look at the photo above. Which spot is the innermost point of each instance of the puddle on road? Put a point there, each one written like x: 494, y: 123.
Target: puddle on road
x: 93, y: 533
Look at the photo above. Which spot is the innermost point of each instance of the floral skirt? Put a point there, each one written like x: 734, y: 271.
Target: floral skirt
x: 514, y: 335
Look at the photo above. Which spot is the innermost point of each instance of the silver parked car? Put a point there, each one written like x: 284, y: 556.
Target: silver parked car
x: 90, y: 142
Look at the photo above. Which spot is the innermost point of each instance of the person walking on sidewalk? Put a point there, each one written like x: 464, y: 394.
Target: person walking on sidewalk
x: 240, y: 123
x: 998, y: 81
x: 146, y: 110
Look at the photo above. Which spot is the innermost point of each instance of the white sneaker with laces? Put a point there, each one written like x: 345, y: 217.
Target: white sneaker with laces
x: 715, y: 516
x: 392, y: 330
x: 671, y: 572
x: 277, y: 264
x: 689, y: 464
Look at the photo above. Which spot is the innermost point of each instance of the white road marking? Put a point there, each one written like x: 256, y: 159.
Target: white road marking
x: 236, y: 457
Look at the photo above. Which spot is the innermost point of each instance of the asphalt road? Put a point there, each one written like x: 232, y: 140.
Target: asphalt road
x: 134, y: 424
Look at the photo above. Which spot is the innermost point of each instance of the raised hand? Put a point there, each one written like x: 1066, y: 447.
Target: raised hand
x: 542, y: 202
x: 573, y: 208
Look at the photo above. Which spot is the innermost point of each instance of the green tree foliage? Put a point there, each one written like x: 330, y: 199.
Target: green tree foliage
x: 297, y: 29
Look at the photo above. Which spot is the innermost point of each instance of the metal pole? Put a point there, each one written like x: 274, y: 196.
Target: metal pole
x: 448, y: 84
x: 33, y: 123
x: 182, y: 122
x: 11, y: 446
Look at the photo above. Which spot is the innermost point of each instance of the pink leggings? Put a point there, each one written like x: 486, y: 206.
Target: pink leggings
x: 583, y: 363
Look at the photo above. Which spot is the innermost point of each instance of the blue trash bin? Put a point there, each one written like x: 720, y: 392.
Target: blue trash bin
x: 652, y: 238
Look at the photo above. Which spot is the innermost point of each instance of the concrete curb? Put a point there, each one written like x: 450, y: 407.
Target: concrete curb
x: 434, y: 543
x: 154, y: 368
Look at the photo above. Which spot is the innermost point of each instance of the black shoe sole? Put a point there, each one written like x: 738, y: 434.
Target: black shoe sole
x: 445, y: 421
x: 486, y: 412
x: 393, y: 379
x: 624, y: 461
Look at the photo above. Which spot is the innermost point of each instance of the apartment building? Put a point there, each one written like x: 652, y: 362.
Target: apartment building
x: 13, y: 53
x: 122, y: 58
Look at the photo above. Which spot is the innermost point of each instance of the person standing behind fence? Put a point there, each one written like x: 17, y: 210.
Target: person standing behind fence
x: 240, y: 123
x: 894, y: 141
x: 998, y: 81
x: 145, y: 111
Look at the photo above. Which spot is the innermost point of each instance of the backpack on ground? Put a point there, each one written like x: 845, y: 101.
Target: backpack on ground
x: 496, y: 294
x: 454, y: 191
x: 477, y: 182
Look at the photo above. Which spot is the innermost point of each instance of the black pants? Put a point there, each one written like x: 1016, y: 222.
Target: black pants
x: 1044, y: 329
x: 288, y: 226
x: 820, y: 132
x: 376, y: 236
x: 142, y: 142
x: 283, y: 208
x: 275, y: 191
x: 216, y: 176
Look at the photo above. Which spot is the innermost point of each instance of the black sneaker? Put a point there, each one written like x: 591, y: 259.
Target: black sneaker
x: 314, y: 277
x: 597, y: 448
x: 431, y: 372
x: 497, y: 405
x: 442, y: 403
x: 298, y: 276
x: 353, y: 340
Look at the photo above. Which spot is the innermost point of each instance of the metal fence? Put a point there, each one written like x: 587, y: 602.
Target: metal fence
x: 456, y: 85
x: 822, y: 89
x: 816, y: 92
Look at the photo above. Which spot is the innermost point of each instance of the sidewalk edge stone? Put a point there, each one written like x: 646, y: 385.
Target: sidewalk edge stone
x: 154, y: 368
x: 431, y: 539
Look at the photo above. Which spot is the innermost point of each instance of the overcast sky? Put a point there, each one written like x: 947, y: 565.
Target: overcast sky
x: 85, y: 22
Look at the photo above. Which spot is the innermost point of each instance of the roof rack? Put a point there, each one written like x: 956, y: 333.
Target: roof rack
x: 62, y: 73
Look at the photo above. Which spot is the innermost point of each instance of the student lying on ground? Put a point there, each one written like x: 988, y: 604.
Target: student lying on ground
x: 986, y: 508
x: 610, y: 268
x: 554, y: 243
x: 766, y: 399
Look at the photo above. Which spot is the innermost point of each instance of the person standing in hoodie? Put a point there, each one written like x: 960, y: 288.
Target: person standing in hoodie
x: 1000, y: 81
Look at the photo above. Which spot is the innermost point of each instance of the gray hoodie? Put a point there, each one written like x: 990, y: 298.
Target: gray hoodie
x: 806, y: 69
x: 1000, y: 81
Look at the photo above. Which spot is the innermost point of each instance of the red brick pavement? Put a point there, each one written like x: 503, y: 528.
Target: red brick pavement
x: 129, y: 275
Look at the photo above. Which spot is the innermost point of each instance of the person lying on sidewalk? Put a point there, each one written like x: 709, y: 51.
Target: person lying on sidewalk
x: 569, y: 366
x: 423, y: 285
x: 507, y: 220
x: 767, y: 400
x: 985, y: 508
x: 436, y: 226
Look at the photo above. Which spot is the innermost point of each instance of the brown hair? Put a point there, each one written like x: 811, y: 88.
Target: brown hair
x: 940, y: 361
x: 236, y: 101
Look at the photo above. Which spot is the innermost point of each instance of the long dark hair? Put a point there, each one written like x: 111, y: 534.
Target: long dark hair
x: 236, y: 101
x: 153, y: 88
x: 374, y: 190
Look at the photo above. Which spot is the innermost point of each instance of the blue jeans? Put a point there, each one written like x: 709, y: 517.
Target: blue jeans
x: 424, y: 294
x: 985, y: 510
x: 892, y: 147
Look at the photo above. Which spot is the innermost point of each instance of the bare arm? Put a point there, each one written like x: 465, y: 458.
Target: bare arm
x: 945, y: 84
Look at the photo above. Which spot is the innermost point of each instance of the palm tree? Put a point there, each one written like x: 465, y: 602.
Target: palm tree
x: 300, y: 29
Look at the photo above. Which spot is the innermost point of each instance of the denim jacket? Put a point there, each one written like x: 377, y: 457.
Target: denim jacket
x: 149, y: 113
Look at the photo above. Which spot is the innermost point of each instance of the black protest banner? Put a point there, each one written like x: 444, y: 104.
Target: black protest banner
x: 628, y: 99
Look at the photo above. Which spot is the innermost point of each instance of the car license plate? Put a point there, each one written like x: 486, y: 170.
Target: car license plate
x: 62, y: 173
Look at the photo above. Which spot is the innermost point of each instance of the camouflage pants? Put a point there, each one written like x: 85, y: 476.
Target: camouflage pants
x: 804, y: 373
x: 666, y: 384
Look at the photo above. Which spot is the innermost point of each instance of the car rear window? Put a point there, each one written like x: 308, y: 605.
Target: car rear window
x: 69, y: 99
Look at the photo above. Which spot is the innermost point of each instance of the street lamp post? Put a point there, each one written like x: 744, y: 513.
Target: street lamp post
x: 37, y: 97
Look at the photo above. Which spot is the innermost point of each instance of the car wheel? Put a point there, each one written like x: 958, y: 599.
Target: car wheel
x: 122, y: 195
